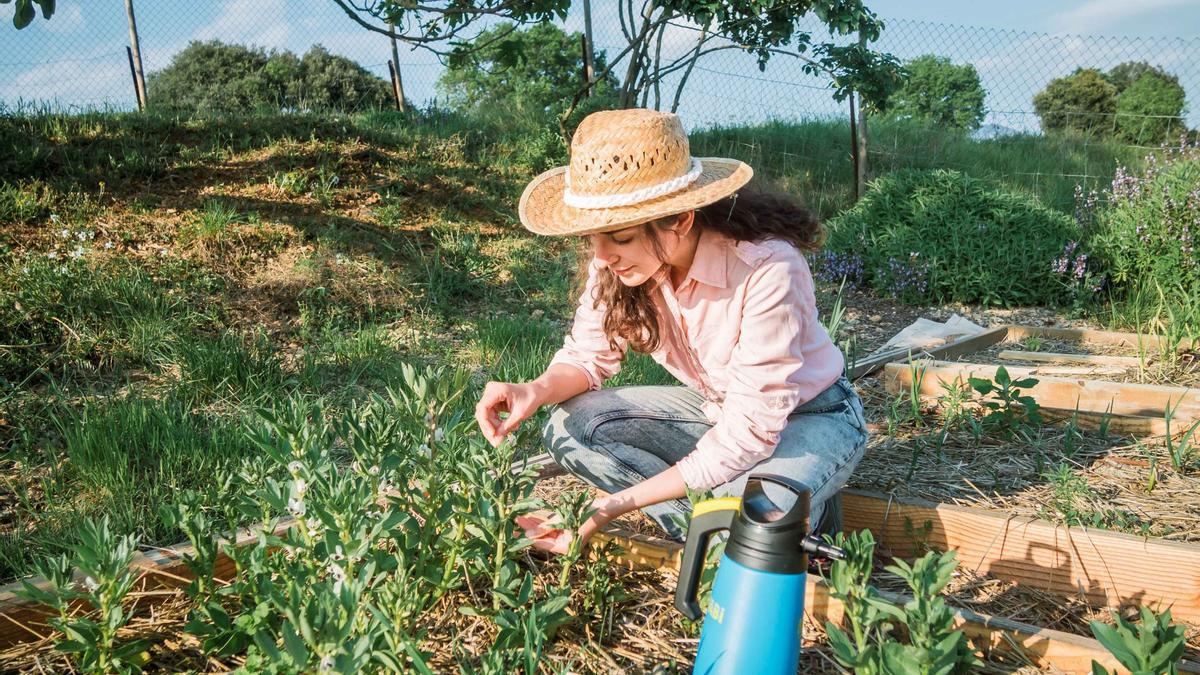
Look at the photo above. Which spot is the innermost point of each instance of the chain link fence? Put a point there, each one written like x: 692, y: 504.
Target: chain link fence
x: 78, y: 61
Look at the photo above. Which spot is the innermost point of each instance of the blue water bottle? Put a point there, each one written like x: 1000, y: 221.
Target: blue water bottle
x: 755, y: 616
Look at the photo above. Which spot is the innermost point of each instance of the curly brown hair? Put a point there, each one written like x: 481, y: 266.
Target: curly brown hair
x: 749, y: 215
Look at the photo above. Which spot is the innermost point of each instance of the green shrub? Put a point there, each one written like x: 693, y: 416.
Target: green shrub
x: 943, y: 236
x: 214, y: 76
x: 1149, y: 111
x: 941, y: 92
x: 1146, y: 233
x: 1083, y: 101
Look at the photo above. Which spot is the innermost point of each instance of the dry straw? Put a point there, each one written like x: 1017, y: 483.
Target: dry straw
x: 627, y: 167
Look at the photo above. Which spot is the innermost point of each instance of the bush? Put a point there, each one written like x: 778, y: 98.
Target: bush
x: 942, y: 236
x: 941, y: 92
x: 209, y: 76
x: 1147, y: 232
x: 1083, y: 101
x: 1149, y: 111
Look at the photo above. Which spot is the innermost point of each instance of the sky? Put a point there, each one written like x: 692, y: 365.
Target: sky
x: 77, y: 59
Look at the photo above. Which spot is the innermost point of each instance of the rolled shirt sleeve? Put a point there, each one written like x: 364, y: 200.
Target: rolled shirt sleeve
x: 586, y: 347
x: 763, y: 389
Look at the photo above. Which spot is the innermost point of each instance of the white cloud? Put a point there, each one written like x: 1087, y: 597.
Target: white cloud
x: 1099, y: 15
x: 261, y: 23
x: 66, y: 20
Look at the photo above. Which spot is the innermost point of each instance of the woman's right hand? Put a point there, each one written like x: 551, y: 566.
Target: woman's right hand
x: 520, y: 401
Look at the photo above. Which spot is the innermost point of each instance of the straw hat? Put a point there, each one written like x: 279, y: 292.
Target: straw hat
x: 627, y: 167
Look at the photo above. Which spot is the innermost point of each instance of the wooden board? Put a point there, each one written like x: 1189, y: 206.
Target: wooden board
x: 1151, y: 343
x: 946, y: 351
x: 1107, y: 568
x: 1087, y: 359
x: 1045, y: 648
x: 1097, y: 396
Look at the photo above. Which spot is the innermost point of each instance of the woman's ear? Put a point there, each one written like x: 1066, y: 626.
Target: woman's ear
x: 683, y: 223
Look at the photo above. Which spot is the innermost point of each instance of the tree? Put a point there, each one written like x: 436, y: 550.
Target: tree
x: 1083, y: 101
x: 939, y: 91
x: 1124, y: 74
x: 1150, y: 110
x: 217, y: 76
x: 532, y: 71
x: 24, y: 14
x: 760, y: 27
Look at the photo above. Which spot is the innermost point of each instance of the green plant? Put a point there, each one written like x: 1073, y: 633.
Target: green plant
x: 1033, y: 343
x: 1181, y: 452
x: 1010, y: 409
x: 294, y: 183
x: 1083, y: 101
x: 102, y: 559
x: 1150, y: 110
x: 1152, y: 647
x: 943, y: 236
x: 932, y: 646
x: 940, y: 92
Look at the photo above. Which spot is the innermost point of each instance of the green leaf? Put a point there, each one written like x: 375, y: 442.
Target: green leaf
x: 23, y: 14
x: 1002, y: 377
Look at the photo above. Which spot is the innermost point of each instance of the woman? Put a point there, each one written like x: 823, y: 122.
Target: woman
x: 716, y: 288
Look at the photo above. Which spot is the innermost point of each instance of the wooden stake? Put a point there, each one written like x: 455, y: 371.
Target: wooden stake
x: 139, y: 79
x: 394, y: 65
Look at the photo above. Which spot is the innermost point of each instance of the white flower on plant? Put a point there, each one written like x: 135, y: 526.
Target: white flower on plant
x: 91, y: 584
x: 54, y: 218
x: 384, y: 485
x: 374, y: 470
x: 162, y: 252
x: 355, y: 466
x: 108, y: 244
x: 53, y: 255
x: 425, y: 451
x: 78, y: 252
x: 428, y: 418
x: 336, y: 571
x: 439, y: 434
x: 338, y: 554
x: 327, y: 663
x: 297, y: 507
x: 314, y: 527
x: 64, y: 233
x: 81, y: 235
x: 299, y: 486
x: 295, y: 467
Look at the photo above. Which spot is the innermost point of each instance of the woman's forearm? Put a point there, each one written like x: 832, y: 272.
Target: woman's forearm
x: 659, y: 488
x: 560, y: 382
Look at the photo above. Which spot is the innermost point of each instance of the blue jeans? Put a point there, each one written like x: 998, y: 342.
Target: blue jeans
x: 615, y: 438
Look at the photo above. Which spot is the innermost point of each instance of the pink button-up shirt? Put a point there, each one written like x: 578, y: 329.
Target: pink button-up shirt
x: 742, y: 329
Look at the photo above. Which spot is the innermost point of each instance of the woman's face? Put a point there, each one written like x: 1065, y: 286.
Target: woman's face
x: 629, y: 253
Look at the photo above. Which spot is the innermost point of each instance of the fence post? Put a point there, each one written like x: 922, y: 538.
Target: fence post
x: 394, y: 65
x: 589, y: 65
x: 587, y: 72
x: 133, y: 76
x: 135, y: 57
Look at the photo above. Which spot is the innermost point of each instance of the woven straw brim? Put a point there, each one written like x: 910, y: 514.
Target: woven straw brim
x: 542, y: 210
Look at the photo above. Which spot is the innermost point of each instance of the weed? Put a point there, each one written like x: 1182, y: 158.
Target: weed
x: 1182, y: 453
x: 1010, y: 410
x: 1033, y: 343
x: 1151, y: 647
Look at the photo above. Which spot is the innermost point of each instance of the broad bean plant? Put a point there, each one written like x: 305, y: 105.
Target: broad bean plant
x: 365, y: 528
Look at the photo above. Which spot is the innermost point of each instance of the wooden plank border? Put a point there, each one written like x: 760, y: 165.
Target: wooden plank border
x: 1154, y: 343
x: 1105, y: 568
x: 1094, y: 396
